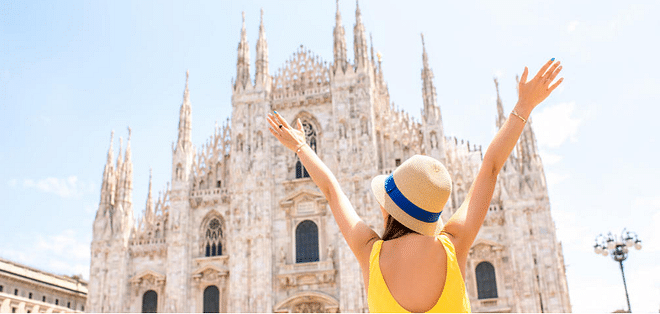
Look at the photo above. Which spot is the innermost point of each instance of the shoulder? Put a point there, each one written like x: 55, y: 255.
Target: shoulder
x: 367, y: 249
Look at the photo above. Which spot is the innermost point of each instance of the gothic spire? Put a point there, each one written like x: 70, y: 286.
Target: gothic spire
x: 184, y: 141
x: 527, y: 149
x: 261, y: 74
x: 119, y: 157
x: 431, y: 110
x: 371, y: 39
x: 339, y: 44
x: 108, y: 171
x: 128, y: 172
x: 110, y: 152
x: 359, y: 40
x: 500, y: 111
x: 243, y: 62
x: 149, y: 210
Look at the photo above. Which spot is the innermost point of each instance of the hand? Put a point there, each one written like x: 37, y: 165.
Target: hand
x: 532, y: 93
x: 290, y: 137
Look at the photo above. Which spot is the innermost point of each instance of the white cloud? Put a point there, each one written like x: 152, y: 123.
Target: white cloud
x: 553, y: 178
x: 550, y: 158
x: 66, y: 253
x: 12, y: 182
x: 573, y: 234
x: 556, y: 124
x: 65, y: 243
x: 651, y: 244
x: 65, y: 188
x: 570, y: 27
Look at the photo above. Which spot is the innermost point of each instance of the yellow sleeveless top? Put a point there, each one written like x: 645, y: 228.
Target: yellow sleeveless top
x: 454, y: 298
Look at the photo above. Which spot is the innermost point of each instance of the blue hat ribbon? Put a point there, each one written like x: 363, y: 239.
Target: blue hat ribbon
x: 407, y: 206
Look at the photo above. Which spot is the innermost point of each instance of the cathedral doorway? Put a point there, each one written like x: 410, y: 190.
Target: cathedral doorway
x: 211, y: 299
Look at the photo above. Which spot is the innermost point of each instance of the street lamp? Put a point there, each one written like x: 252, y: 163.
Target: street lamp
x: 618, y: 247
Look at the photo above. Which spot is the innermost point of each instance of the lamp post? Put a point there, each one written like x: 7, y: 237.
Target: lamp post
x: 618, y: 247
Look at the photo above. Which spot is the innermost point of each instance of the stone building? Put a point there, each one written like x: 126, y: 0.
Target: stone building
x: 27, y: 290
x: 242, y: 227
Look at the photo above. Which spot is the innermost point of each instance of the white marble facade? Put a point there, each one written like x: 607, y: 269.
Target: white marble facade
x: 240, y: 195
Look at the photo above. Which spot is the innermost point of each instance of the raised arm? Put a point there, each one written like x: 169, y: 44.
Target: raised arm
x: 466, y: 222
x: 355, y: 231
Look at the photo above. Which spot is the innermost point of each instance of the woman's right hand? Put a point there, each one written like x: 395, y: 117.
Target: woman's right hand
x: 532, y: 93
x: 288, y: 136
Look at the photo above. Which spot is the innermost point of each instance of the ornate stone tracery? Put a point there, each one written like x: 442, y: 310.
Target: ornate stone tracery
x: 308, y: 302
x: 303, y: 73
x: 212, y: 239
x: 209, y: 169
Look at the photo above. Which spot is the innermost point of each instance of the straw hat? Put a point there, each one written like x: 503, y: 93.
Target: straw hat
x: 415, y: 193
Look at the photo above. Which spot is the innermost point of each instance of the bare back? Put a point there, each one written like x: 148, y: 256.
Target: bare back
x: 414, y: 268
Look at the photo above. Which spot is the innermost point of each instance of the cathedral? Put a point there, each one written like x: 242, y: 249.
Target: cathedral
x: 242, y: 228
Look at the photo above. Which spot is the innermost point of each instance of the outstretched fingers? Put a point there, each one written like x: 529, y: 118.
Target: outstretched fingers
x: 523, y: 78
x: 273, y: 132
x: 555, y: 72
x: 544, y: 68
x: 556, y: 84
x: 272, y: 122
x: 281, y: 119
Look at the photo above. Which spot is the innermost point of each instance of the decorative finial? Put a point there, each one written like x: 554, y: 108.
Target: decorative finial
x: 187, y: 75
x: 129, y: 133
x: 380, y: 57
x: 262, y: 15
x: 423, y: 45
x: 337, y: 6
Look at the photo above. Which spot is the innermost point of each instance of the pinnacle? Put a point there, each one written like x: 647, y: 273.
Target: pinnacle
x: 110, y: 152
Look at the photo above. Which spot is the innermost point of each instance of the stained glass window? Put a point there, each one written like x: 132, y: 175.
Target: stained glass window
x: 213, y: 238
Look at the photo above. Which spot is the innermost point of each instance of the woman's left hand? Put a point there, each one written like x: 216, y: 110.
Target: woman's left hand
x: 290, y: 137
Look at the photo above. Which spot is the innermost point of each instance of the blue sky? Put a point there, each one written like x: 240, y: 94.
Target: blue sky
x: 73, y: 71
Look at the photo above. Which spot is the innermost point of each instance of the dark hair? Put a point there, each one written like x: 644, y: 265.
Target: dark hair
x: 394, y: 229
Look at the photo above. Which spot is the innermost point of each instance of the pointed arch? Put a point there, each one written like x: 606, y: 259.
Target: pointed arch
x: 312, y: 130
x: 398, y: 153
x: 239, y: 142
x: 433, y: 140
x: 218, y: 175
x: 364, y: 126
x: 178, y: 173
x: 212, y: 235
x: 341, y: 129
